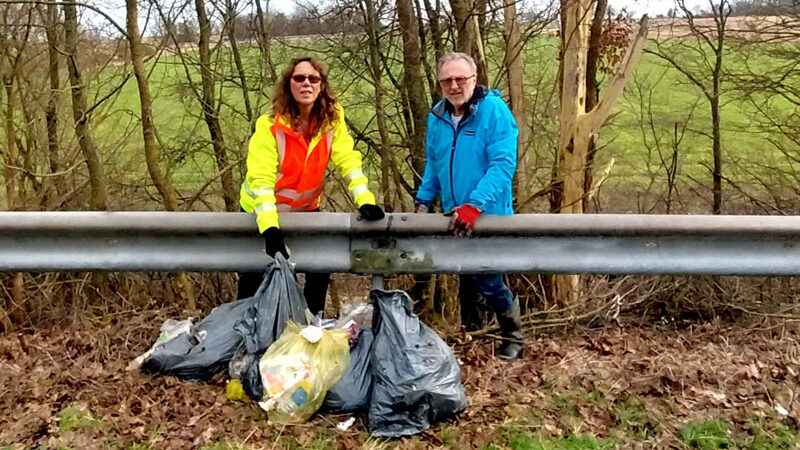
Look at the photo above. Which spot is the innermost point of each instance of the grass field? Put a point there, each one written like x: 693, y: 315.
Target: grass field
x: 639, y: 135
x: 656, y: 92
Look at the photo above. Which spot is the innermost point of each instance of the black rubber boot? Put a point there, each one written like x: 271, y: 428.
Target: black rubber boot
x: 510, y: 322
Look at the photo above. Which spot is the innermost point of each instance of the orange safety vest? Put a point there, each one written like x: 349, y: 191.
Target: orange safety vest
x: 301, y: 171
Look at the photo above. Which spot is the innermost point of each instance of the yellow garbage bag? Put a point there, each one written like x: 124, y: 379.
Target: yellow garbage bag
x: 299, y: 369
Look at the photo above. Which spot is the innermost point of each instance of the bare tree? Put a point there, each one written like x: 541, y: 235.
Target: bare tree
x: 160, y: 179
x: 80, y: 113
x: 51, y: 20
x: 211, y: 111
x: 469, y: 40
x: 578, y: 125
x: 414, y: 86
x: 513, y: 65
x: 371, y: 22
x: 265, y: 37
x: 704, y: 71
x: 230, y: 26
x: 593, y: 87
x: 436, y: 36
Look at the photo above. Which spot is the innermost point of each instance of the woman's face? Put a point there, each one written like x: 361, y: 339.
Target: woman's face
x: 306, y: 83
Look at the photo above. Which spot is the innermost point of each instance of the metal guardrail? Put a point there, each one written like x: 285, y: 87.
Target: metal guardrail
x: 403, y: 243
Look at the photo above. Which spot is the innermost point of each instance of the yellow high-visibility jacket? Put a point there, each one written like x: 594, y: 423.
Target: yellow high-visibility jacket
x: 284, y: 173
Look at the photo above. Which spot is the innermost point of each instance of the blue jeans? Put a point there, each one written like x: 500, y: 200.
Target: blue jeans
x: 490, y: 287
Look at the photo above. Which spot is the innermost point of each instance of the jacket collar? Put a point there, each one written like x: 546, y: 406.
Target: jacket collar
x: 444, y: 106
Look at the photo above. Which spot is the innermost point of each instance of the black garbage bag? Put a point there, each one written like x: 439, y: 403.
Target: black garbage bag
x: 282, y: 302
x: 416, y: 379
x: 352, y: 392
x: 253, y: 323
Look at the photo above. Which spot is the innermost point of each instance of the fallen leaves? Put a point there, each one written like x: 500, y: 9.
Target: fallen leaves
x: 678, y: 377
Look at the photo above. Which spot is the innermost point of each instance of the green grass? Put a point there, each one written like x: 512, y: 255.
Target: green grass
x: 223, y: 445
x: 778, y: 437
x: 631, y: 415
x: 566, y: 404
x: 530, y: 442
x: 658, y: 88
x: 75, y: 417
x: 707, y: 435
x: 139, y: 446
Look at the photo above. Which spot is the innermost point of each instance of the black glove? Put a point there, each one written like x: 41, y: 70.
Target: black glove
x: 273, y: 237
x: 371, y: 212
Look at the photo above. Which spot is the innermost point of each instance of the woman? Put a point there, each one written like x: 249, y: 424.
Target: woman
x: 286, y: 162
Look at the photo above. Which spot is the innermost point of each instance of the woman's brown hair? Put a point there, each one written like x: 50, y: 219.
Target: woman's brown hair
x: 324, y: 111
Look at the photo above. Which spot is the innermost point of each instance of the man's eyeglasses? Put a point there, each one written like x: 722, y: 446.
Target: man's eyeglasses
x: 313, y: 79
x: 461, y: 81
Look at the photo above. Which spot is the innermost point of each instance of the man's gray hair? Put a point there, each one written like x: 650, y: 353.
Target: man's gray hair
x: 452, y: 56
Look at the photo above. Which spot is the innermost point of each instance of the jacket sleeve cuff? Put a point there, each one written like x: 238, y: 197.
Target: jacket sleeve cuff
x: 365, y: 198
x: 421, y: 201
x: 267, y: 219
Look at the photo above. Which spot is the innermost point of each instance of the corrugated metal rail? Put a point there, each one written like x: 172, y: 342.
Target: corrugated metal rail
x: 403, y: 243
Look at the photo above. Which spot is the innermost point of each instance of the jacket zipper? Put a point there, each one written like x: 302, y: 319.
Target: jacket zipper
x: 453, y: 148
x: 452, y: 157
x: 456, y: 129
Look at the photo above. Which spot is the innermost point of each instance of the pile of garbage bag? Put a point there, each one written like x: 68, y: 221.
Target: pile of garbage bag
x: 378, y: 358
x: 248, y: 326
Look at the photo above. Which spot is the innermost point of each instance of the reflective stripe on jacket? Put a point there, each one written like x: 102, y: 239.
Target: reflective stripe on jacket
x: 285, y: 173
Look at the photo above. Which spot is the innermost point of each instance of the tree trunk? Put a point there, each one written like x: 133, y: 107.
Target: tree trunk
x: 514, y: 66
x: 717, y: 152
x: 162, y: 182
x: 414, y: 86
x: 721, y: 20
x: 10, y: 153
x: 51, y: 112
x: 438, y: 47
x: 210, y: 111
x: 465, y: 30
x: 479, y: 48
x: 578, y: 125
x: 230, y: 23
x: 430, y: 77
x: 387, y: 156
x: 28, y: 151
x: 264, y: 41
x: 468, y: 38
x: 97, y: 180
x: 593, y: 88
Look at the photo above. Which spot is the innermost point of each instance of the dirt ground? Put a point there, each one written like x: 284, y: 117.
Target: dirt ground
x: 629, y: 387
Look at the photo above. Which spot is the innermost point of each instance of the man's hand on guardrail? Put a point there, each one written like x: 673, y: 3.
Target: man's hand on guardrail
x: 463, y: 219
x: 273, y: 238
x: 421, y: 208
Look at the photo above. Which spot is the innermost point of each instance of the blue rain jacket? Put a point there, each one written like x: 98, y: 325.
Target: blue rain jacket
x: 475, y: 162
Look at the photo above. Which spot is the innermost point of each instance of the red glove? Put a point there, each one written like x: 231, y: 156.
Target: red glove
x: 463, y: 220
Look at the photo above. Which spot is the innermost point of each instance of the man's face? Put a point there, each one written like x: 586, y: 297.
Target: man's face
x: 458, y: 82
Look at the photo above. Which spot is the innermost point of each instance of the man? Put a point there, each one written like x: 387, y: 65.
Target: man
x: 471, y: 148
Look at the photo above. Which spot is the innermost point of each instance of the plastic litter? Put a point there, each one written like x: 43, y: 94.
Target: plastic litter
x: 297, y: 373
x: 170, y: 329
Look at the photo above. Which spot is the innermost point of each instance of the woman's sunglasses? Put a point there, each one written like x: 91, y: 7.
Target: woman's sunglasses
x: 313, y: 79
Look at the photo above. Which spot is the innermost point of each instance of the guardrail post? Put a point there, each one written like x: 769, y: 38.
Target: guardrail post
x: 377, y: 282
